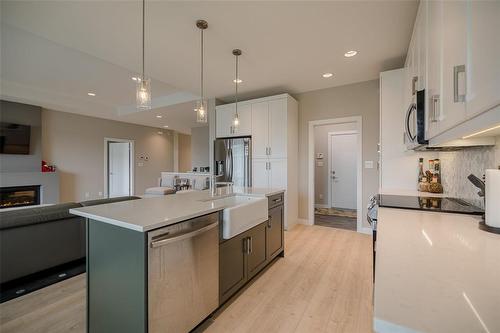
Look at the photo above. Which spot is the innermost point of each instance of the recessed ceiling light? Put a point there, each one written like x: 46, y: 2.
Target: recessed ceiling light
x: 134, y: 78
x: 237, y: 81
x: 159, y: 116
x: 351, y: 53
x: 327, y: 75
x: 166, y: 126
x: 91, y: 94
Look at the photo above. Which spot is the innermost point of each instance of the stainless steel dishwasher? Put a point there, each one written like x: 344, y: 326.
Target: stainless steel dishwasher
x: 183, y: 274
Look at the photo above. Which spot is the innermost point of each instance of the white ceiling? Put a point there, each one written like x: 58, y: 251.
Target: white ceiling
x: 54, y: 52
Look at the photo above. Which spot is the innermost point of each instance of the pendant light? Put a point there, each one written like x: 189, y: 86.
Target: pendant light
x: 201, y: 105
x: 236, y: 119
x: 143, y: 89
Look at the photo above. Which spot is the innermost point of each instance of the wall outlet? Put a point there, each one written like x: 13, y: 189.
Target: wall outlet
x: 87, y: 195
x: 140, y: 164
x: 321, y: 196
x: 319, y: 163
x: 368, y: 164
x: 100, y: 194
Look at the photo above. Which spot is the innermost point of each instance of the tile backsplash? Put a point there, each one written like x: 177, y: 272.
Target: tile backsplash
x: 457, y: 165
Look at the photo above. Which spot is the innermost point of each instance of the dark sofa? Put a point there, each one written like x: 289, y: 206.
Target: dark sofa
x: 39, y: 238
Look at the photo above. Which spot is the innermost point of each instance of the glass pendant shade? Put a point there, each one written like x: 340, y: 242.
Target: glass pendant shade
x: 143, y: 93
x: 201, y: 111
x: 236, y: 122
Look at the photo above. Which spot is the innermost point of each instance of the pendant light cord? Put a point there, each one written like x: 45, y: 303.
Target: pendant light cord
x: 143, y: 34
x: 201, y: 71
x: 236, y: 86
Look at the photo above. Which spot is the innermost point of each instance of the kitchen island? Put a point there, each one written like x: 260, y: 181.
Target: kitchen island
x: 435, y: 272
x: 166, y: 263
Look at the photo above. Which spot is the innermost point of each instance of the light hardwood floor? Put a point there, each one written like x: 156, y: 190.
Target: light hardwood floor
x: 324, y: 284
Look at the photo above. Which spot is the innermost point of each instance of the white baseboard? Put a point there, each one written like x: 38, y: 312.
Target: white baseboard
x: 305, y: 222
x: 321, y: 206
x: 366, y: 230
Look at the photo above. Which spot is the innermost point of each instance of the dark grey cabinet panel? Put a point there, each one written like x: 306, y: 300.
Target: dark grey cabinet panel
x: 275, y: 232
x: 245, y: 255
x: 256, y: 258
x: 116, y: 284
x: 232, y: 266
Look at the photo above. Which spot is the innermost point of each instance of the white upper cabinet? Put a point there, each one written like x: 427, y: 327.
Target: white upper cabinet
x: 433, y: 64
x: 260, y: 126
x: 269, y: 129
x: 224, y: 120
x: 454, y: 53
x: 461, y: 44
x: 483, y: 62
x: 277, y: 128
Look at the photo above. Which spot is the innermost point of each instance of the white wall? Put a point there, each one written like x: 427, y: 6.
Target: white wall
x: 359, y: 99
x: 321, y: 172
x: 75, y: 144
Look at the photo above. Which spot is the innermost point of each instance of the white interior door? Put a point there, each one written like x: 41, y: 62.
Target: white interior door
x: 118, y: 169
x: 343, y: 173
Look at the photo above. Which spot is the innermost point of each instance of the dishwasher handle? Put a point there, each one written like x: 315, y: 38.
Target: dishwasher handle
x: 166, y: 239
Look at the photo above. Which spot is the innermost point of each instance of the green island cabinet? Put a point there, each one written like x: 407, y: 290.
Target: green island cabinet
x: 245, y: 255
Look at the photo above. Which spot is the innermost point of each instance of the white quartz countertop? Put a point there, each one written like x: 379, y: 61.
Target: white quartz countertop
x: 435, y: 272
x: 151, y: 213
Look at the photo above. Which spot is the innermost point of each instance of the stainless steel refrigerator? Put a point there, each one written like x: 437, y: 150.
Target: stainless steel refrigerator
x: 233, y: 161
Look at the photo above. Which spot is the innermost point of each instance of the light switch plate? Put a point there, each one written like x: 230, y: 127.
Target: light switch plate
x: 368, y: 164
x: 320, y: 163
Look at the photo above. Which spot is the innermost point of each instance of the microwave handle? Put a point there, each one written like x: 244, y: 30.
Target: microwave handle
x: 411, y: 109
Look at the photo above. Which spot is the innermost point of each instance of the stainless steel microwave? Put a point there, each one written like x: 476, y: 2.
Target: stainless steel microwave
x: 415, y: 122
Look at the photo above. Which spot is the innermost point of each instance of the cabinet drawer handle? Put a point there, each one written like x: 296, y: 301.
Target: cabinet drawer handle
x: 434, y: 108
x: 269, y: 221
x: 250, y: 245
x: 277, y: 200
x: 457, y: 70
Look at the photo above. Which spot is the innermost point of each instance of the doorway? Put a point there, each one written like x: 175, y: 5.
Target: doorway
x: 335, y: 173
x: 118, y: 167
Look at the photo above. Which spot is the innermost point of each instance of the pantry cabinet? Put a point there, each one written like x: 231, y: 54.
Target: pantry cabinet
x: 272, y: 122
x: 454, y: 55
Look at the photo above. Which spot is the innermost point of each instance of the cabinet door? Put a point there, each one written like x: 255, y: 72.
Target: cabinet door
x: 434, y: 52
x: 277, y: 173
x: 245, y: 116
x: 483, y: 47
x: 275, y: 232
x: 224, y: 120
x: 232, y: 270
x: 277, y: 128
x: 454, y: 63
x: 260, y: 173
x: 422, y: 45
x: 256, y: 257
x: 260, y: 130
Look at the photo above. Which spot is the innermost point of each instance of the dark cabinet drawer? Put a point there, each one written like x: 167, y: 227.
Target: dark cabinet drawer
x: 274, y: 233
x: 275, y: 200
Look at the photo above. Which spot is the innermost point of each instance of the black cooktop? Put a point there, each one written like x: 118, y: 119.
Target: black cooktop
x: 445, y: 205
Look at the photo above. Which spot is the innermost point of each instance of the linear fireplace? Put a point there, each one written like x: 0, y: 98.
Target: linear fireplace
x: 18, y: 196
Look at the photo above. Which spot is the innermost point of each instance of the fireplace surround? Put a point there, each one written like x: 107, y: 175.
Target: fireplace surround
x: 19, y: 196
